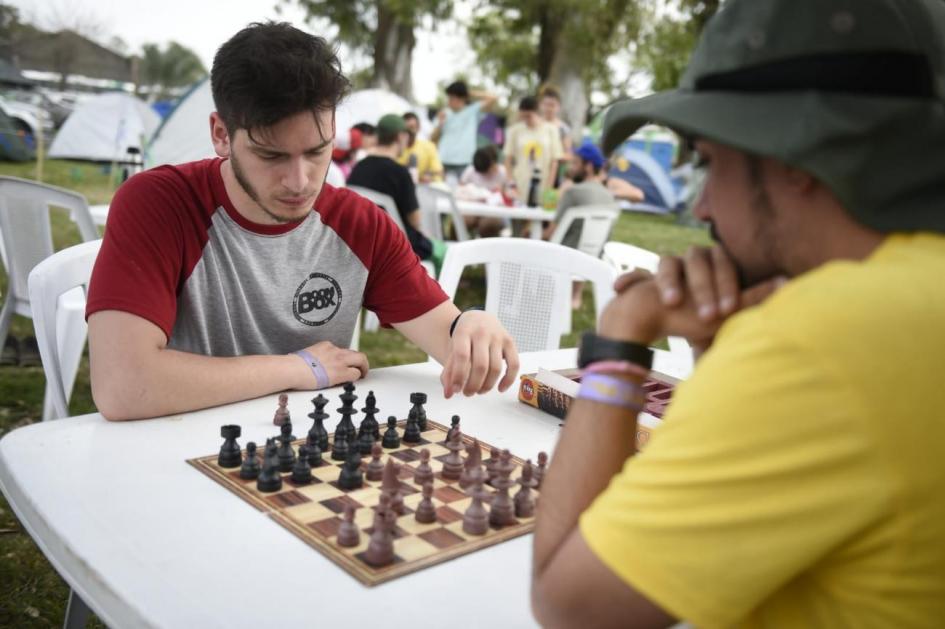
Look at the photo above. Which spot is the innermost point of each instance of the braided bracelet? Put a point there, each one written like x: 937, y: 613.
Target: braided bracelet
x: 610, y: 390
x: 321, y: 376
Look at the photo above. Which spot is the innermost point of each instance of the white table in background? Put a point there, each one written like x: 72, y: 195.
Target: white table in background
x: 535, y: 216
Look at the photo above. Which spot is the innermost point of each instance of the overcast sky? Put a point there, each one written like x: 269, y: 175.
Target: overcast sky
x: 202, y: 25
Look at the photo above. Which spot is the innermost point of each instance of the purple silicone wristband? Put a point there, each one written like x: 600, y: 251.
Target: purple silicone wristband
x: 321, y: 376
x: 609, y: 390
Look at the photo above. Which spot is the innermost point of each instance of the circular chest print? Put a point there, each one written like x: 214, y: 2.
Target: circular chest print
x: 317, y: 299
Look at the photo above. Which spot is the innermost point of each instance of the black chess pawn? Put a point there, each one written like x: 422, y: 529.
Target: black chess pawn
x: 269, y: 479
x: 351, y: 476
x: 317, y: 433
x: 369, y: 422
x: 302, y: 470
x: 249, y: 470
x: 391, y: 436
x: 314, y: 454
x: 286, y: 453
x: 339, y: 446
x: 230, y: 453
x: 412, y: 429
x: 418, y: 399
x: 285, y: 431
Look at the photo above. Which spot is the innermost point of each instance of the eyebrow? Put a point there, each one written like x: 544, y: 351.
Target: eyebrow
x: 265, y: 149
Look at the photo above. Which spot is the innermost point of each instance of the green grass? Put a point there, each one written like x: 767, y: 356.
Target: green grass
x: 33, y: 595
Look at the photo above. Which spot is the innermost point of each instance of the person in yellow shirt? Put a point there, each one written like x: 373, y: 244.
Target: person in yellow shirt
x: 420, y: 157
x: 798, y: 478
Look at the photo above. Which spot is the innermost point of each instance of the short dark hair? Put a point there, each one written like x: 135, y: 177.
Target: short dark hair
x: 458, y: 89
x: 270, y: 71
x: 550, y: 91
x: 484, y: 158
x: 366, y: 128
x: 411, y: 116
x: 528, y: 104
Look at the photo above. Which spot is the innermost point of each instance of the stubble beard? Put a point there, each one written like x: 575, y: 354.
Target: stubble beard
x: 250, y: 191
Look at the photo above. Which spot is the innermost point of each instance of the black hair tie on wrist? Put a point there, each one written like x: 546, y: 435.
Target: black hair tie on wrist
x: 456, y: 320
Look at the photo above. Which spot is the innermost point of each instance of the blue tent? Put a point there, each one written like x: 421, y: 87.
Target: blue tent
x: 633, y: 165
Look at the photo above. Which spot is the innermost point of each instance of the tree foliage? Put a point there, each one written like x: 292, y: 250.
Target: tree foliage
x: 175, y: 66
x: 383, y: 29
x: 519, y: 42
x: 666, y: 45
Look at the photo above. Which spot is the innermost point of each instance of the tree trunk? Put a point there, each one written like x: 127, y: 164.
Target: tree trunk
x: 394, y: 42
x: 566, y: 73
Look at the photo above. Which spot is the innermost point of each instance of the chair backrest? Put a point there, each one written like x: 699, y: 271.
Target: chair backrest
x: 597, y: 222
x: 48, y: 281
x: 528, y: 284
x: 381, y: 200
x: 433, y: 200
x: 26, y: 232
x: 625, y: 258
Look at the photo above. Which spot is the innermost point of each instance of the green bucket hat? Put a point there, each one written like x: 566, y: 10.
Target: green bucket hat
x: 850, y: 91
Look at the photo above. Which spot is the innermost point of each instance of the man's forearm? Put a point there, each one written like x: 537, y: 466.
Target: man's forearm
x: 175, y: 382
x: 596, y: 441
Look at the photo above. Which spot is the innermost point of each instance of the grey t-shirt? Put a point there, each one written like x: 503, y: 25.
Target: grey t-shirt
x: 590, y: 192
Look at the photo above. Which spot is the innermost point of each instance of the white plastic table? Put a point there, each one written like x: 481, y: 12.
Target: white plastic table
x: 535, y: 216
x: 147, y: 540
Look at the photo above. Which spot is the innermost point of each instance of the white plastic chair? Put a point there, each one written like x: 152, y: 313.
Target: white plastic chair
x: 528, y: 284
x: 386, y: 203
x: 27, y: 239
x: 625, y: 258
x: 383, y: 201
x: 598, y: 221
x: 431, y: 200
x: 49, y: 280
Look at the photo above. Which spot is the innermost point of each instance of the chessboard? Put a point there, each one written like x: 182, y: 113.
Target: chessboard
x: 340, y: 523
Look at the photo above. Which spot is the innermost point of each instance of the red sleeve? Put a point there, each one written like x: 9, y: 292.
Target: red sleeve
x: 156, y: 231
x: 398, y: 288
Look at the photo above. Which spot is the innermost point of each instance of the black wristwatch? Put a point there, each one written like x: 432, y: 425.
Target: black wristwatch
x: 596, y: 348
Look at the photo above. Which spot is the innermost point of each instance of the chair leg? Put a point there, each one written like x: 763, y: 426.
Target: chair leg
x: 6, y: 316
x: 77, y: 612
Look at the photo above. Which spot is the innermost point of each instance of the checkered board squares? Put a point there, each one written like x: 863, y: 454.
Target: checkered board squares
x: 314, y: 511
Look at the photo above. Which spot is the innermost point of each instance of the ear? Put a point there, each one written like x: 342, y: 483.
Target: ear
x: 219, y: 135
x: 802, y: 182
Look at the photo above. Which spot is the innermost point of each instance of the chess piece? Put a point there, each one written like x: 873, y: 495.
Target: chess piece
x: 476, y: 518
x: 249, y: 470
x: 454, y: 426
x: 539, y: 472
x: 424, y: 473
x: 339, y: 446
x: 426, y: 511
x: 282, y: 413
x: 317, y: 433
x: 366, y: 434
x: 269, y: 479
x: 390, y: 486
x: 286, y: 452
x: 230, y: 453
x: 369, y: 422
x: 501, y: 509
x: 453, y: 463
x: 302, y: 469
x: 346, y: 411
x: 473, y: 462
x: 391, y: 436
x: 348, y: 533
x: 314, y: 454
x: 412, y: 429
x: 351, y: 476
x: 524, y: 503
x: 380, y: 550
x: 375, y: 469
x: 491, y: 464
x: 418, y: 400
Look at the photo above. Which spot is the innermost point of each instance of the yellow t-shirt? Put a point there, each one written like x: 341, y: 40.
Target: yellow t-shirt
x: 427, y: 159
x: 799, y: 477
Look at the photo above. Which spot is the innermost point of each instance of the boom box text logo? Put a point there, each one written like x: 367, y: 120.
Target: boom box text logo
x: 317, y: 299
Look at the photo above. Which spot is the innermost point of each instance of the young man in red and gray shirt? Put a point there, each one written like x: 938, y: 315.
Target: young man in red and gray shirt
x: 214, y: 275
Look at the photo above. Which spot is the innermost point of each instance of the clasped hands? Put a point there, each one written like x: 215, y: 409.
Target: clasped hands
x: 690, y: 296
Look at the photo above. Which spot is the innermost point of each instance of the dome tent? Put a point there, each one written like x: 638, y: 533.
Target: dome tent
x: 104, y: 127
